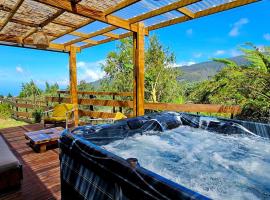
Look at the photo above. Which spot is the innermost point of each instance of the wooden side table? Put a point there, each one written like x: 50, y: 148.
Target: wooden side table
x: 41, y: 139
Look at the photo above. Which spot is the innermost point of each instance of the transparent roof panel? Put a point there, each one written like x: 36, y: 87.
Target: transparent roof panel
x: 164, y: 17
x: 119, y: 31
x: 65, y: 38
x: 205, y: 4
x: 99, y: 37
x: 142, y: 7
x: 81, y: 43
x: 92, y: 27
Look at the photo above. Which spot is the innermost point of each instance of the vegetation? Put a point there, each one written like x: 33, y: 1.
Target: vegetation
x: 161, y: 83
x: 248, y: 86
x: 37, y: 115
x: 5, y: 111
x: 6, y: 123
x: 244, y: 81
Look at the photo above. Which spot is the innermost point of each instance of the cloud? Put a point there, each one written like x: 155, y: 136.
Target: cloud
x: 219, y: 52
x: 90, y: 71
x: 181, y: 64
x: 61, y: 81
x: 266, y: 36
x: 235, y: 31
x: 19, y: 70
x: 189, y: 32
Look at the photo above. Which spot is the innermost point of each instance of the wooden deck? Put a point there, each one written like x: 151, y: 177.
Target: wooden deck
x: 41, y: 172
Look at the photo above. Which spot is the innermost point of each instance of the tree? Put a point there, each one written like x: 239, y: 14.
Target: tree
x: 161, y: 83
x: 248, y: 86
x: 84, y: 86
x: 51, y: 89
x: 30, y: 90
x: 9, y: 95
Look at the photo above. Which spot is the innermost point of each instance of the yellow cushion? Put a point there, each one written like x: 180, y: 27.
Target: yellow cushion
x: 119, y: 116
x: 60, y: 111
x: 54, y: 119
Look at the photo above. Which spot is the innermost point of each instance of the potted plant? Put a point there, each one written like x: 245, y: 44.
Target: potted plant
x: 37, y: 115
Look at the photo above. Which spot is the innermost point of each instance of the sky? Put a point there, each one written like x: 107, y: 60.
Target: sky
x: 199, y: 40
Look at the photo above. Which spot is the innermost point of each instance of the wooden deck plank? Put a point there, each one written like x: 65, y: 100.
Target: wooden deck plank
x: 41, y: 171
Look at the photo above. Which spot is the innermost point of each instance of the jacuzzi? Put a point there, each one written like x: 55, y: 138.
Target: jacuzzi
x: 166, y: 155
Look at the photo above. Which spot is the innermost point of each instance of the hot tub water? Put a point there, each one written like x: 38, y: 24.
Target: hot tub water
x: 216, y: 165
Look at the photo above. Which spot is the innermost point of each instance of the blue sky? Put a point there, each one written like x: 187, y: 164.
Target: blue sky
x: 218, y: 35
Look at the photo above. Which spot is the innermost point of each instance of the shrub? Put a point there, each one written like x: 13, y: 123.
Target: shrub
x: 37, y: 115
x: 5, y: 111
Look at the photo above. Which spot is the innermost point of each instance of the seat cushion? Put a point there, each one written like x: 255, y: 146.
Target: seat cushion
x: 54, y: 119
x: 7, y: 159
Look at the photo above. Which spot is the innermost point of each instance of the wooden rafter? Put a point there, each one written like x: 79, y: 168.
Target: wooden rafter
x: 120, y: 6
x: 44, y: 23
x: 100, y: 32
x: 145, y: 16
x: 88, y: 12
x: 209, y: 11
x: 181, y: 19
x: 186, y: 12
x: 128, y: 34
x: 162, y: 10
x: 91, y: 15
x: 11, y: 14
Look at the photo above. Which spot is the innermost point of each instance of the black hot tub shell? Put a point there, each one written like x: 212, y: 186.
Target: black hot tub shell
x: 90, y: 172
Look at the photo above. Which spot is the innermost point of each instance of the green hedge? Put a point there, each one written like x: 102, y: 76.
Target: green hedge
x: 5, y: 111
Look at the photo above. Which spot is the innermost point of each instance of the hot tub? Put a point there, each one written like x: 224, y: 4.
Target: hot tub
x: 166, y: 156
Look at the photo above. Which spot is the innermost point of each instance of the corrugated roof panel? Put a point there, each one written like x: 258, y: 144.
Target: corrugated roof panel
x: 92, y: 27
x: 65, y: 38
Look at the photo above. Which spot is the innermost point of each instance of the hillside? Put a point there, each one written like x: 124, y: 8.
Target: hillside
x: 205, y: 70
x: 199, y: 71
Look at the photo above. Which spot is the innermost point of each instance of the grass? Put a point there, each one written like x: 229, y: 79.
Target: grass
x: 6, y: 123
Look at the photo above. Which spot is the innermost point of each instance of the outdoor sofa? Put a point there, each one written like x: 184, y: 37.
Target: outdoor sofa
x: 10, y: 168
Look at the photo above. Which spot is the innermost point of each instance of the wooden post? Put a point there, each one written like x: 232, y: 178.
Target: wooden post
x: 138, y: 81
x: 73, y: 82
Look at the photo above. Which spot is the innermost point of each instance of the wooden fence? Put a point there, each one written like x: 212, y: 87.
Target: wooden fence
x: 88, y: 101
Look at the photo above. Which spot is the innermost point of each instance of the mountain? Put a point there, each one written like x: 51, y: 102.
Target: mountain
x: 199, y: 71
x: 205, y: 70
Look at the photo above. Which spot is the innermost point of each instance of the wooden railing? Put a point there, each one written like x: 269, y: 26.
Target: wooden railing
x: 88, y: 101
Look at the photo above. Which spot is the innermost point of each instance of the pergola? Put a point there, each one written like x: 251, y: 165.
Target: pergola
x: 73, y: 25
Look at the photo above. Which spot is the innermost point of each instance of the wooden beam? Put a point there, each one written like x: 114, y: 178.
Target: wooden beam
x: 209, y: 11
x: 121, y: 5
x: 111, y: 35
x: 44, y: 23
x: 138, y: 81
x: 11, y: 14
x: 162, y: 10
x: 89, y: 12
x: 153, y: 13
x: 128, y: 34
x: 100, y: 32
x: 83, y: 35
x: 186, y: 12
x: 73, y: 83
